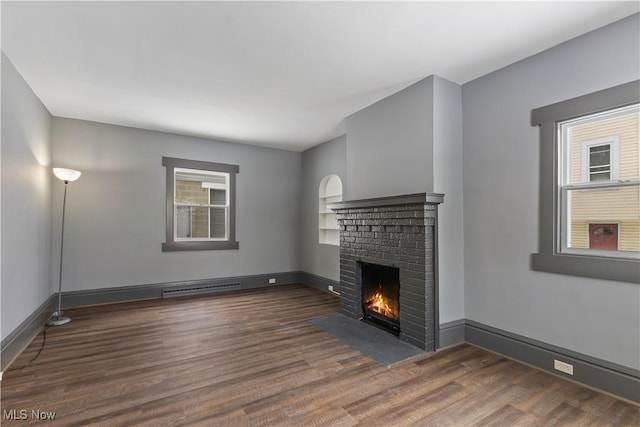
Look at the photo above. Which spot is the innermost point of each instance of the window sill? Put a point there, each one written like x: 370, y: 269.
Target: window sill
x: 621, y: 270
x: 198, y: 246
x: 604, y: 254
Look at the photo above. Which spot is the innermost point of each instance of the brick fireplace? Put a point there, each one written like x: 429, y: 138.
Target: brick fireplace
x: 398, y: 232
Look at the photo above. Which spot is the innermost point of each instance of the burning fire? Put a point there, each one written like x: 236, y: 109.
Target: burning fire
x: 380, y: 304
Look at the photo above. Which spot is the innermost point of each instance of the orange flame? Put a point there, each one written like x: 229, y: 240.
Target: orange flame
x: 380, y: 304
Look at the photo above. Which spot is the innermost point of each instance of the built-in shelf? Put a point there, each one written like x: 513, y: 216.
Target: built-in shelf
x: 330, y: 191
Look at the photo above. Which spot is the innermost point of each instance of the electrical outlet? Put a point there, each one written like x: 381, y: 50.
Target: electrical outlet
x: 563, y: 367
x: 272, y: 281
x: 330, y: 288
x: 1, y: 374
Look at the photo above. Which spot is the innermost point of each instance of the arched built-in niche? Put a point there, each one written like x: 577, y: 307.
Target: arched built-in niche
x: 330, y: 191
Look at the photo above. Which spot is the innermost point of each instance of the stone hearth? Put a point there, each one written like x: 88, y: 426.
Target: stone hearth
x: 400, y: 232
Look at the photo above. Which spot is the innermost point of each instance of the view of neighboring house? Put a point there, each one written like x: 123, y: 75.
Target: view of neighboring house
x: 201, y: 205
x: 604, y: 209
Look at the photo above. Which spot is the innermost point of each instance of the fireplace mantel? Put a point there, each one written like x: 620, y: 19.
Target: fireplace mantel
x: 407, y: 199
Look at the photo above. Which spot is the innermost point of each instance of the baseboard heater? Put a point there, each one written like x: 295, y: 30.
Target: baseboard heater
x: 198, y: 289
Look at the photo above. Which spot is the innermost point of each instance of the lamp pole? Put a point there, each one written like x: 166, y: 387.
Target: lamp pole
x: 59, y: 319
x: 65, y: 175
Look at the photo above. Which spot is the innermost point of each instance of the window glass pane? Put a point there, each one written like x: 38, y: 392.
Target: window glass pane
x: 600, y: 148
x: 191, y: 192
x: 200, y: 223
x: 218, y: 223
x: 192, y: 187
x: 600, y: 175
x: 597, y: 140
x: 183, y: 222
x: 218, y: 197
x: 599, y: 158
x: 604, y: 219
x: 192, y: 222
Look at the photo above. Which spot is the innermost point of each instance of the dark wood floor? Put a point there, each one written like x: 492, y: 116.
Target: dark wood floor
x: 252, y: 358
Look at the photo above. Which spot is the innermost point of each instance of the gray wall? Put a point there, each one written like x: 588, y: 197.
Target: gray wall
x: 500, y: 154
x: 322, y: 160
x: 26, y: 200
x: 389, y: 145
x: 116, y: 210
x: 411, y: 142
x: 447, y: 179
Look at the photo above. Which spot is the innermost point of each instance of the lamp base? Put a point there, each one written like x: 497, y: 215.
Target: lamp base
x: 58, y: 320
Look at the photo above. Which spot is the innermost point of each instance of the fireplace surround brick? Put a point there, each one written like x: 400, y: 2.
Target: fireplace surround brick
x: 399, y: 232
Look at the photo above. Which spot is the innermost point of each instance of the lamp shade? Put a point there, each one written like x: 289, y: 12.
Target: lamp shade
x: 66, y: 174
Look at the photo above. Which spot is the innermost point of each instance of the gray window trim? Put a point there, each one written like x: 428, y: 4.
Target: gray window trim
x: 171, y: 245
x: 548, y: 258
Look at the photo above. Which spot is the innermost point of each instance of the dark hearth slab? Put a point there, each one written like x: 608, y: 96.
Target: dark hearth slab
x: 379, y: 345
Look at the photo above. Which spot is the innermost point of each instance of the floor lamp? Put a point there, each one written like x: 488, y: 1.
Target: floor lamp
x: 67, y: 176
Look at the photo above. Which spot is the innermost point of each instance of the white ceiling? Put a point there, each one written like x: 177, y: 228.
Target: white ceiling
x: 279, y: 74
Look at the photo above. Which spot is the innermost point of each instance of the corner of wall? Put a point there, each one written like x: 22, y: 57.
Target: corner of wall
x: 448, y: 179
x: 26, y: 157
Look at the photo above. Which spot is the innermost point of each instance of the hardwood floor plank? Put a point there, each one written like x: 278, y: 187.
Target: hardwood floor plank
x: 619, y: 414
x: 252, y: 358
x: 509, y: 415
x: 420, y: 407
x: 565, y: 413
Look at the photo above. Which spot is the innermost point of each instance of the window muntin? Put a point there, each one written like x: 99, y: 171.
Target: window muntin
x: 599, y: 181
x: 200, y: 205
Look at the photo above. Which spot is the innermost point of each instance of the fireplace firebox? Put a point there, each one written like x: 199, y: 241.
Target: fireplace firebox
x: 381, y: 295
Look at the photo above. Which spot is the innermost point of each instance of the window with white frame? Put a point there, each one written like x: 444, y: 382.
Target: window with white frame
x: 200, y: 205
x: 595, y: 189
x: 589, y: 220
x: 600, y: 159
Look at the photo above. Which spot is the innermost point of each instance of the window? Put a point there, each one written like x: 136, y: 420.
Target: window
x: 590, y: 185
x: 594, y: 187
x: 600, y: 160
x: 200, y: 205
x: 329, y: 191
